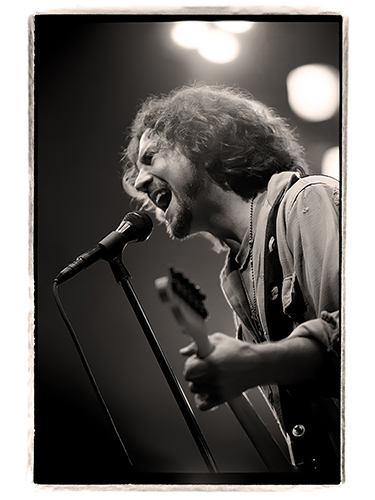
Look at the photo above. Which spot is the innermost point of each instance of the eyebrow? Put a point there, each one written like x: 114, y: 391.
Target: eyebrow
x: 142, y: 154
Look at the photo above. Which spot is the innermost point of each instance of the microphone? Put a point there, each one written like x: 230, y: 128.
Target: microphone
x: 135, y: 226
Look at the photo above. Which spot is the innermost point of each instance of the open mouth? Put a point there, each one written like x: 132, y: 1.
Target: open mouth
x: 162, y: 199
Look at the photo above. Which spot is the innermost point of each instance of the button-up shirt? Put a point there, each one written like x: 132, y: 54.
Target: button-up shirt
x: 308, y: 243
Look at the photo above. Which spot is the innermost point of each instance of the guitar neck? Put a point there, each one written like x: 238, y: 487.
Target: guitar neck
x: 194, y: 325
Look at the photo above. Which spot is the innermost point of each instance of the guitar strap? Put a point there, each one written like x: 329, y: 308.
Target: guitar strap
x: 279, y: 325
x: 312, y: 422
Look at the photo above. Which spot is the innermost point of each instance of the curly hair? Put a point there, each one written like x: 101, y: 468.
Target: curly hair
x: 239, y: 141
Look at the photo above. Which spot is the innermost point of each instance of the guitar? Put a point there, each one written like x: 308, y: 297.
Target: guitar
x: 187, y: 304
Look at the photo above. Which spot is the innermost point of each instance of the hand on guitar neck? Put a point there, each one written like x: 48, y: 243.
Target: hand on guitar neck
x: 223, y: 372
x: 219, y: 368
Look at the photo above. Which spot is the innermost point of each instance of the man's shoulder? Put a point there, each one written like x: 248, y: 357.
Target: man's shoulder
x: 308, y: 183
x: 318, y: 179
x: 326, y: 186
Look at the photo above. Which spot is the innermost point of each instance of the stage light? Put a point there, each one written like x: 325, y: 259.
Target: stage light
x: 313, y: 91
x: 219, y: 47
x: 212, y: 43
x: 235, y: 26
x: 189, y: 34
x: 331, y: 163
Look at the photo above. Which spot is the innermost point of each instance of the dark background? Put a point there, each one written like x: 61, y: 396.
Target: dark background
x: 90, y: 74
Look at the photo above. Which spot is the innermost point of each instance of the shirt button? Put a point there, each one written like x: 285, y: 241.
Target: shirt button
x: 298, y: 430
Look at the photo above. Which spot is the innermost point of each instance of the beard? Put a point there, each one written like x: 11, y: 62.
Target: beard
x: 179, y: 228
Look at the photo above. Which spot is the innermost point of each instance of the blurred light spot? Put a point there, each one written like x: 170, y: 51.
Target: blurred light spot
x: 211, y: 42
x: 235, y: 26
x: 188, y: 34
x: 331, y: 163
x: 219, y: 47
x: 313, y: 91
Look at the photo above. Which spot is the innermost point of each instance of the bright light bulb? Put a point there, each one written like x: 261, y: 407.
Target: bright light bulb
x: 219, y: 47
x: 313, y: 91
x: 331, y: 163
x: 235, y: 26
x: 188, y: 34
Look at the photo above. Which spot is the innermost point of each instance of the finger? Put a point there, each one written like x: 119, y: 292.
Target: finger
x: 188, y: 350
x: 195, y: 368
x: 205, y: 403
x: 201, y: 389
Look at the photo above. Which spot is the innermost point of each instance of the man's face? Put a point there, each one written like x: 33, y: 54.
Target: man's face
x: 172, y: 184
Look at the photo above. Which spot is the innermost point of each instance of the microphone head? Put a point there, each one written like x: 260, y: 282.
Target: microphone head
x: 141, y: 222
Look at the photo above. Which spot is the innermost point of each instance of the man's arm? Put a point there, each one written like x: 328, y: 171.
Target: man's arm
x: 235, y: 366
x: 310, y: 252
x: 309, y: 248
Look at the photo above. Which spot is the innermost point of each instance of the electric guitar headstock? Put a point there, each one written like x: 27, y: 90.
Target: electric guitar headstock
x: 187, y: 303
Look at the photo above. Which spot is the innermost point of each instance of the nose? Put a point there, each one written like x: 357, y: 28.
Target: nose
x: 143, y: 180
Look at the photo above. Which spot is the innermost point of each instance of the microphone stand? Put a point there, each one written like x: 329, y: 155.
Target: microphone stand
x: 122, y: 276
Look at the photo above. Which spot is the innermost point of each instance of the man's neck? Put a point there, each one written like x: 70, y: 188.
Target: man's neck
x: 229, y: 218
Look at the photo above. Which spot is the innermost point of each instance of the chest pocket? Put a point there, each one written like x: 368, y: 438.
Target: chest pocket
x: 292, y: 299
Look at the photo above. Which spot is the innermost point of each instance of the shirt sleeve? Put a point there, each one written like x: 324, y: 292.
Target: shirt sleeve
x: 309, y: 250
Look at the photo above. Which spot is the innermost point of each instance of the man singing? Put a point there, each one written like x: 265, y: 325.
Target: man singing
x: 213, y: 160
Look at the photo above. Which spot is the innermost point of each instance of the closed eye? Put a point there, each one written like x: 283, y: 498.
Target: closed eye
x: 148, y: 157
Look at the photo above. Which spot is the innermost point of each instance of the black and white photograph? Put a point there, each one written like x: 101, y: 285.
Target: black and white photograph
x: 188, y: 237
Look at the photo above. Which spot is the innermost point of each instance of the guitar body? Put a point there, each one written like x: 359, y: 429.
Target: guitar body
x: 262, y: 427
